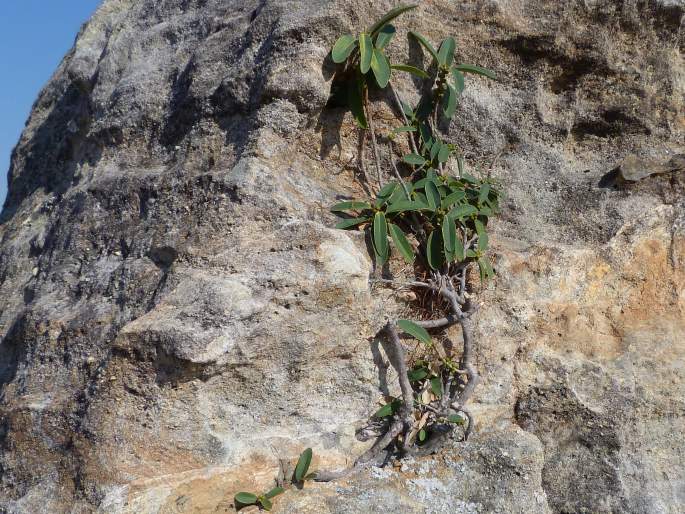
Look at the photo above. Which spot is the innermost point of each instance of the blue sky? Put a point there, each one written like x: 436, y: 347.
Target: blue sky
x: 34, y: 36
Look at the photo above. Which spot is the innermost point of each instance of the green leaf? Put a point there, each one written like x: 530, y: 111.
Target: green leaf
x: 410, y: 69
x: 419, y: 184
x: 265, y: 503
x: 415, y: 330
x: 356, y: 103
x: 384, y: 36
x: 458, y: 81
x: 404, y: 128
x: 422, y: 435
x: 408, y: 111
x: 414, y: 159
x: 450, y: 102
x: 444, y: 153
x: 401, y: 243
x: 449, y: 238
x: 350, y: 206
x: 482, y: 235
x: 433, y: 195
x: 384, y: 411
x: 425, y: 44
x: 397, y: 195
x: 343, y: 48
x: 460, y: 164
x: 245, y: 498
x: 274, y: 492
x: 455, y: 183
x: 417, y: 374
x: 388, y: 17
x: 425, y: 107
x: 434, y: 250
x: 461, y: 211
x: 387, y: 410
x: 380, y: 67
x: 421, y: 198
x: 365, y: 52
x: 484, y: 193
x: 435, y: 149
x: 486, y: 270
x: 406, y: 206
x: 380, y: 237
x: 494, y: 201
x: 453, y: 198
x: 456, y: 418
x: 425, y: 132
x: 303, y: 464
x: 352, y: 222
x: 458, y: 250
x: 478, y: 70
x: 386, y: 190
x: 446, y: 52
x: 385, y: 194
x: 436, y: 386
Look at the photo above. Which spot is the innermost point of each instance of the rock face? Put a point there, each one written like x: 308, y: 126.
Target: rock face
x: 176, y: 314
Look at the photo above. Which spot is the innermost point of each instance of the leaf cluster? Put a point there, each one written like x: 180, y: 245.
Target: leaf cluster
x: 244, y: 499
x: 434, y: 217
x: 446, y: 219
x: 450, y: 80
x: 366, y: 52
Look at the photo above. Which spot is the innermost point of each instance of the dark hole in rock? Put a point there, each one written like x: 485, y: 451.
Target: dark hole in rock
x: 163, y: 256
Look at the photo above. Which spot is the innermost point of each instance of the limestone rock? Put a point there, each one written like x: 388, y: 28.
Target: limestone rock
x: 177, y: 314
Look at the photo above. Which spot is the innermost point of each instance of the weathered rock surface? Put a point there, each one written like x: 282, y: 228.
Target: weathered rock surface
x: 176, y: 314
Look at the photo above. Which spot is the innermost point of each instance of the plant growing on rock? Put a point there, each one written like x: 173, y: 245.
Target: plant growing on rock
x: 244, y: 499
x: 299, y: 476
x: 435, y: 216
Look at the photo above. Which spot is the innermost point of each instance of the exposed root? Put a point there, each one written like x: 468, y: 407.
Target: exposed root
x: 458, y: 383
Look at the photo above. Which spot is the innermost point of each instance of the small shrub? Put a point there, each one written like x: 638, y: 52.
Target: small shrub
x: 436, y: 220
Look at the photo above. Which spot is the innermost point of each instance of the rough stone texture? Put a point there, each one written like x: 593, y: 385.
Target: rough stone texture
x: 176, y: 315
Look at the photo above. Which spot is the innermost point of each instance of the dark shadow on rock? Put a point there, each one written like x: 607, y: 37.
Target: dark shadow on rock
x: 329, y: 124
x: 186, y: 111
x: 417, y: 58
x: 56, y: 151
x: 571, y: 68
x: 163, y: 256
x: 610, y: 180
x: 331, y: 117
x: 12, y: 352
x: 611, y: 123
x: 329, y: 68
x: 170, y: 370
